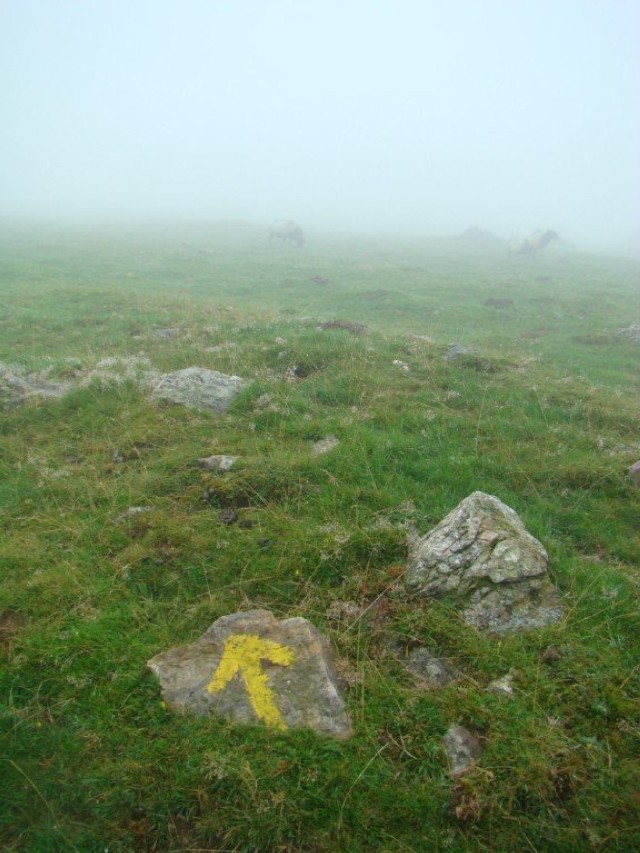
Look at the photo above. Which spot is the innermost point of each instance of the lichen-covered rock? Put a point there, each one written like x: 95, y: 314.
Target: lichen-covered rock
x: 462, y: 747
x: 481, y: 555
x: 250, y: 668
x: 198, y: 388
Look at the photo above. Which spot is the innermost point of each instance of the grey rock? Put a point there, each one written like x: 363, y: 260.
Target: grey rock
x: 132, y: 512
x: 325, y: 445
x: 345, y: 612
x: 481, y: 555
x: 217, y: 462
x: 457, y: 350
x: 498, y: 303
x: 634, y: 473
x: 17, y: 386
x: 250, y: 668
x: 429, y: 669
x: 166, y: 334
x: 631, y: 332
x: 198, y: 388
x: 468, y: 357
x: 228, y: 516
x: 462, y: 747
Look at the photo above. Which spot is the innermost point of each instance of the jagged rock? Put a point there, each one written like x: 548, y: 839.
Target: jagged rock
x: 250, y: 668
x: 462, y: 747
x: 431, y: 670
x: 198, y: 388
x: 634, y: 473
x: 481, y: 555
x: 219, y: 462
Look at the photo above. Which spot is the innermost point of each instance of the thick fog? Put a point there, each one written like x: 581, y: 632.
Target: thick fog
x: 404, y: 116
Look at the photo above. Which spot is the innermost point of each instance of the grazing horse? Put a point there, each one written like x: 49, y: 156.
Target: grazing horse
x: 534, y: 244
x: 287, y: 231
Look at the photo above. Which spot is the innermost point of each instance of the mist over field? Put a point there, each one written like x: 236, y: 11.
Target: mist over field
x: 405, y: 118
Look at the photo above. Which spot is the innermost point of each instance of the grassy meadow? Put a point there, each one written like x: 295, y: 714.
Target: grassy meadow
x: 91, y: 760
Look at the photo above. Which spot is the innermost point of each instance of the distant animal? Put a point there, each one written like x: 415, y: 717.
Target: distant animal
x: 287, y: 231
x: 534, y: 244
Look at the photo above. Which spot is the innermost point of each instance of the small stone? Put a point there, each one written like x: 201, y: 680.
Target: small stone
x: 250, y: 668
x: 494, y: 302
x: 217, y: 462
x: 634, y: 473
x: 345, y: 612
x: 462, y: 747
x: 468, y: 357
x: 166, y: 334
x: 132, y: 512
x: 325, y: 445
x: 430, y: 669
x: 401, y: 364
x: 228, y: 516
x: 551, y: 654
x: 502, y: 685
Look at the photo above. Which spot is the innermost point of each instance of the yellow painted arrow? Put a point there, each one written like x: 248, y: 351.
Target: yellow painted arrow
x: 243, y: 653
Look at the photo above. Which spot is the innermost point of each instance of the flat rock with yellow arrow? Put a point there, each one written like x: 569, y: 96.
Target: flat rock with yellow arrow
x: 252, y: 669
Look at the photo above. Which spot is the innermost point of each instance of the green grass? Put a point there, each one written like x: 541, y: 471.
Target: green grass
x: 91, y: 760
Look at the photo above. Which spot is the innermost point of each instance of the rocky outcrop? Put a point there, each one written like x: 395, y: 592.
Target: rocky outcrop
x: 481, y: 556
x: 250, y: 668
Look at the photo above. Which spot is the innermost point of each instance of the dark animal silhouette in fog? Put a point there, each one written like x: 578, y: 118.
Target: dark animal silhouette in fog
x: 287, y: 231
x: 534, y: 244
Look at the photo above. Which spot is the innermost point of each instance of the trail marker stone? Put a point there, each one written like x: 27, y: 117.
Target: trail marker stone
x: 250, y: 668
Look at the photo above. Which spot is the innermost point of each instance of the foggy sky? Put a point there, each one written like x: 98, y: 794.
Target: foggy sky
x: 398, y: 115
